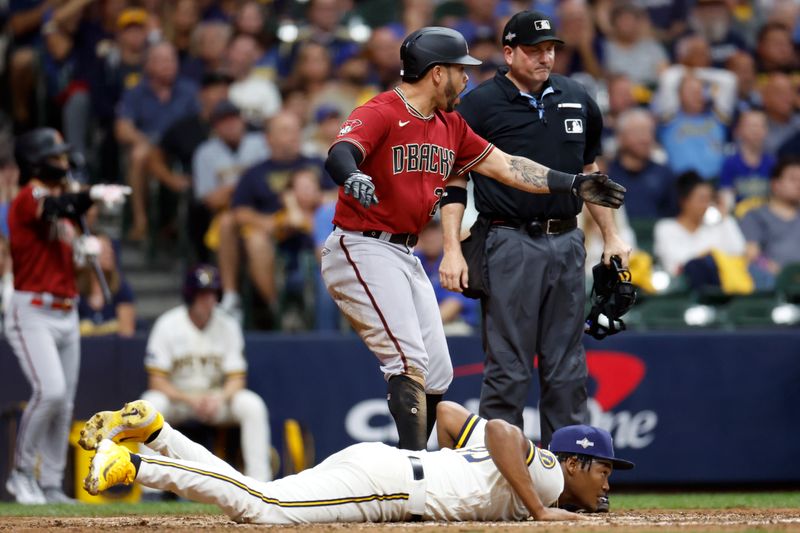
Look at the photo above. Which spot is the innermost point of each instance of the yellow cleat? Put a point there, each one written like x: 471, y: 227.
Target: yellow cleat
x: 135, y: 422
x: 111, y: 465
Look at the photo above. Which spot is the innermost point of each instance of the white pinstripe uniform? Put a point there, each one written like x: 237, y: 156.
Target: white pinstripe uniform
x: 199, y: 361
x: 367, y: 482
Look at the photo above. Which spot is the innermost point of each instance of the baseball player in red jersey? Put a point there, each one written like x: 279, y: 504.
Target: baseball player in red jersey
x: 399, y: 157
x: 41, y: 320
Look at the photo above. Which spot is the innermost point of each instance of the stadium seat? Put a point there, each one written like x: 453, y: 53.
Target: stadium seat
x: 751, y: 311
x: 788, y: 283
x: 643, y: 229
x: 661, y: 312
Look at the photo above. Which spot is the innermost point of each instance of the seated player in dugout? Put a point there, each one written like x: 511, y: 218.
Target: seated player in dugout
x: 489, y: 471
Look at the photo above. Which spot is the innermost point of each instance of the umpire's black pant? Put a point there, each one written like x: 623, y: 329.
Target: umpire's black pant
x: 535, y: 306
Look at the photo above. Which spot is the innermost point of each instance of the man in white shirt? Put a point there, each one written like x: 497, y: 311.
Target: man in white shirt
x: 699, y: 227
x: 197, y: 370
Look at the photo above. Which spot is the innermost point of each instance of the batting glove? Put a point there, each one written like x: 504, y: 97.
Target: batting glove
x: 360, y: 186
x: 597, y: 188
x: 109, y: 195
x: 84, y: 249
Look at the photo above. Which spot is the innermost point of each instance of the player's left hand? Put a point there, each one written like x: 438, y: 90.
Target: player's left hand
x: 597, y: 188
x: 454, y: 272
x: 360, y: 186
x: 614, y: 245
x: 84, y: 249
x: 210, y: 405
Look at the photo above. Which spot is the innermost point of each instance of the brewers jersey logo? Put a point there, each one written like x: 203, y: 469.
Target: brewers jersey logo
x: 547, y: 458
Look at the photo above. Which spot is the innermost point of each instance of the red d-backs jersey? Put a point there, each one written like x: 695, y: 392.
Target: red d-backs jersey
x: 409, y: 158
x: 41, y: 250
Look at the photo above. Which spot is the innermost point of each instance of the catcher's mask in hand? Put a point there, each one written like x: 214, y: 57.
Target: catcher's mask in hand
x: 612, y: 296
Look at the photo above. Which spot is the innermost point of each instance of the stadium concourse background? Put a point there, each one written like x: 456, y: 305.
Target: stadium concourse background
x: 689, y: 408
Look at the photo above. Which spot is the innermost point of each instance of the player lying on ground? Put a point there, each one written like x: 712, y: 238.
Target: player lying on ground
x: 493, y: 473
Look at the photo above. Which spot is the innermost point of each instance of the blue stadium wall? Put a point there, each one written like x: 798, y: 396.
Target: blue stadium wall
x: 688, y: 408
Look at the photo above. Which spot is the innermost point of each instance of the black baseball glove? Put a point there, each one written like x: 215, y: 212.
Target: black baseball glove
x: 597, y: 188
x: 612, y: 296
x: 360, y: 186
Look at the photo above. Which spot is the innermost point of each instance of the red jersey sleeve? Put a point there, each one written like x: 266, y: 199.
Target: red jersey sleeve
x: 472, y: 149
x: 364, y: 128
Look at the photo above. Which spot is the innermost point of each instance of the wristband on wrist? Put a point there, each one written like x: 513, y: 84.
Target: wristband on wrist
x: 560, y: 181
x: 454, y: 195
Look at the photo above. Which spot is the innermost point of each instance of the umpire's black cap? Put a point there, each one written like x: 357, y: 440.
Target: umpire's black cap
x: 529, y: 27
x: 431, y: 46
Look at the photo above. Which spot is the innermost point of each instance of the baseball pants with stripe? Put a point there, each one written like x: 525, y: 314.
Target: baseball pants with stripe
x: 386, y: 295
x: 47, y: 345
x: 367, y: 482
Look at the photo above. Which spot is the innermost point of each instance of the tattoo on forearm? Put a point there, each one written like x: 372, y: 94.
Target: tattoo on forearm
x: 528, y: 172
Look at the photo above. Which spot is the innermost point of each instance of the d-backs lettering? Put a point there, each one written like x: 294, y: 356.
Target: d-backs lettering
x: 430, y: 158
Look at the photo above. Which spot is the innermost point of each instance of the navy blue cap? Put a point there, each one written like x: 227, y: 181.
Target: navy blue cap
x: 224, y: 109
x: 587, y: 440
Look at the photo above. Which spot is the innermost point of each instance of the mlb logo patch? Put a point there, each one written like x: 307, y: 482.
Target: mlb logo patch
x: 541, y: 25
x: 573, y: 125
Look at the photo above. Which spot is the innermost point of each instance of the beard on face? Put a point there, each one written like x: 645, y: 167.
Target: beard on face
x: 450, y: 94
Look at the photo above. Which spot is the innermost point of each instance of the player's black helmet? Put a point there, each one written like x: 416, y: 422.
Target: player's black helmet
x: 201, y: 278
x: 32, y: 150
x: 431, y: 46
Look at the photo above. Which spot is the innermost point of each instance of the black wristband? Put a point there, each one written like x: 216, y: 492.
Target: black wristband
x: 559, y: 181
x: 454, y: 195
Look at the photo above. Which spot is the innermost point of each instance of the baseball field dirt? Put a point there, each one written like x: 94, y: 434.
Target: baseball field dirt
x: 642, y: 520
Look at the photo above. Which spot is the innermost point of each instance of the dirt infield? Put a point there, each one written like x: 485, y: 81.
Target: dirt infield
x: 694, y: 520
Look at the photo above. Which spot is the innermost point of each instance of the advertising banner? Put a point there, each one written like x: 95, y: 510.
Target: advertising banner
x: 695, y: 407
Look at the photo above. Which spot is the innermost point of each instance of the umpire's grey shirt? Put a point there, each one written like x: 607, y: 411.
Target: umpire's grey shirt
x: 563, y: 133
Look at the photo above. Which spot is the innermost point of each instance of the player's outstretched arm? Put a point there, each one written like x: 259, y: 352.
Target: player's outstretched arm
x: 522, y: 173
x: 508, y: 448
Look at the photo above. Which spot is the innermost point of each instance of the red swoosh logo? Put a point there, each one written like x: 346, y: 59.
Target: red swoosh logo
x: 617, y: 375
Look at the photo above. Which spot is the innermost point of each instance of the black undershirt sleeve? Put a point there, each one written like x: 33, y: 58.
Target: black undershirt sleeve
x: 343, y: 160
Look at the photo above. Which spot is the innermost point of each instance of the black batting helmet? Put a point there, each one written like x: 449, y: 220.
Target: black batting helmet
x: 201, y: 278
x: 431, y: 46
x: 32, y: 150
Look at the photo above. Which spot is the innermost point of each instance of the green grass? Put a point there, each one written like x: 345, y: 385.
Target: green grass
x: 110, y: 509
x: 630, y: 502
x: 706, y: 500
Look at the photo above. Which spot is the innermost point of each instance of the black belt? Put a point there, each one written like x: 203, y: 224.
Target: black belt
x: 419, y: 474
x: 538, y: 227
x: 408, y: 239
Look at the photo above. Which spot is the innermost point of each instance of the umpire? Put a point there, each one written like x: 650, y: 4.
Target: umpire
x: 534, y: 269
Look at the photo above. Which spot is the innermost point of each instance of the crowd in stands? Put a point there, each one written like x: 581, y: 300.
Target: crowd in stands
x: 228, y: 107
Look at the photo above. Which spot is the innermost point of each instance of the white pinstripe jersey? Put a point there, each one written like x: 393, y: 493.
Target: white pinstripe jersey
x: 477, y: 490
